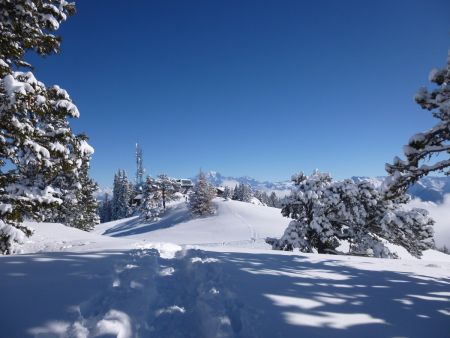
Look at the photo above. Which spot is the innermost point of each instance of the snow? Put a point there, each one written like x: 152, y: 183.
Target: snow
x: 69, y: 107
x: 85, y: 148
x: 213, y: 277
x: 235, y: 223
x: 13, y: 86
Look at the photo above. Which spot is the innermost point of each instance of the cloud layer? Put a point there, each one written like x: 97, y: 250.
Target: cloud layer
x: 441, y: 214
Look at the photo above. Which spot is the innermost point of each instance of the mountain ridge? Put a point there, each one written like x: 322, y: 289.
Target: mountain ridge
x: 428, y: 189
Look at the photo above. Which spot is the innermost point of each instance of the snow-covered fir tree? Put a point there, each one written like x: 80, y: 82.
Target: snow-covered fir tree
x: 259, y: 196
x: 79, y: 208
x: 242, y: 192
x: 105, y: 209
x: 200, y: 201
x: 326, y: 212
x: 168, y: 188
x: 85, y: 213
x: 236, y: 193
x: 37, y: 144
x: 246, y: 193
x: 151, y: 206
x: 428, y: 151
x: 121, y: 200
x: 156, y: 193
x: 274, y: 201
x: 227, y: 193
x: 444, y: 249
x: 262, y: 197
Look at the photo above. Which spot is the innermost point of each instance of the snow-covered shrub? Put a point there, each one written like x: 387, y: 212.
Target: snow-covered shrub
x: 200, y: 201
x: 425, y: 146
x: 326, y: 212
x: 37, y: 144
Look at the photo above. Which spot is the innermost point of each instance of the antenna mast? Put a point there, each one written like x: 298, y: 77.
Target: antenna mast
x: 139, y: 166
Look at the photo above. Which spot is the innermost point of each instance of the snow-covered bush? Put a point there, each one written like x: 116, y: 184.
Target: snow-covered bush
x: 431, y: 144
x: 326, y: 212
x: 37, y: 144
x: 200, y: 201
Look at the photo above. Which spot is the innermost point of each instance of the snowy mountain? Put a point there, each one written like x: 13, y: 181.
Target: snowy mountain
x: 430, y: 189
x: 280, y: 188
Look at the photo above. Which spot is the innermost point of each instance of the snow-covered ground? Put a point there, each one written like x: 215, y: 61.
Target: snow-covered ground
x: 217, y: 279
x: 235, y: 224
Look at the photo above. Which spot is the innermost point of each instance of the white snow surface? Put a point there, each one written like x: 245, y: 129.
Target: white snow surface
x: 213, y: 277
x: 234, y: 224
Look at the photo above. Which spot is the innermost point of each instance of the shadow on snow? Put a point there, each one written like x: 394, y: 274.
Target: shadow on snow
x: 279, y: 295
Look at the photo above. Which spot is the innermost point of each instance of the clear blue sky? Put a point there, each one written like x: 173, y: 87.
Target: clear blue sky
x: 258, y: 88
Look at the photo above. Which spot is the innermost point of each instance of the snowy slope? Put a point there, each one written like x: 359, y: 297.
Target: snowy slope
x: 238, y: 224
x: 128, y: 283
x: 57, y: 237
x: 235, y: 223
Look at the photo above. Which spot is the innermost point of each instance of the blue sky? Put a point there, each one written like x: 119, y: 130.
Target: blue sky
x: 258, y: 88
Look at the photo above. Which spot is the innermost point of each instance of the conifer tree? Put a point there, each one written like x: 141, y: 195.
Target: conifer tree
x: 274, y: 201
x: 37, y: 144
x: 85, y: 210
x: 151, y: 207
x: 227, y: 193
x: 246, y: 193
x: 200, y: 202
x: 168, y: 187
x: 428, y: 151
x: 121, y: 200
x: 79, y: 207
x: 105, y: 209
x: 236, y: 193
x: 115, y: 196
x: 242, y: 192
x: 262, y: 197
x: 156, y: 193
x: 326, y: 212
